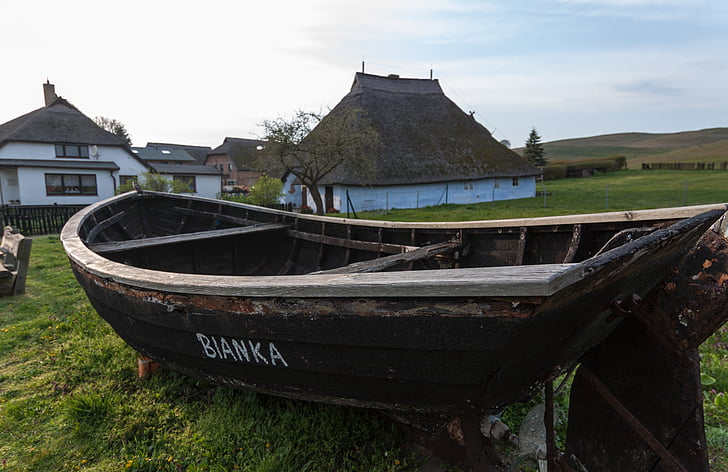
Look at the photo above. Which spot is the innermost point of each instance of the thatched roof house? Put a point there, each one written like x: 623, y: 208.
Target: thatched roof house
x: 430, y: 151
x: 424, y: 136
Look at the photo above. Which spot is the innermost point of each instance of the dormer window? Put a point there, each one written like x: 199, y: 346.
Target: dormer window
x: 72, y: 150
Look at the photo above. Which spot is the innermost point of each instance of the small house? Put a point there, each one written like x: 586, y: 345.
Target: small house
x: 236, y: 159
x: 57, y: 155
x: 430, y: 152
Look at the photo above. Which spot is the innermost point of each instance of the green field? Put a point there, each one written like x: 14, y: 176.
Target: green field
x: 706, y: 145
x: 623, y: 190
x: 70, y: 399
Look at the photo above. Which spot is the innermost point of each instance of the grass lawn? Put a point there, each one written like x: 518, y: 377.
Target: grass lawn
x: 70, y: 398
x: 624, y: 190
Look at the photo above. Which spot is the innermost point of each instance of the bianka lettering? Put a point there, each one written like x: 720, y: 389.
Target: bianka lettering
x: 241, y: 350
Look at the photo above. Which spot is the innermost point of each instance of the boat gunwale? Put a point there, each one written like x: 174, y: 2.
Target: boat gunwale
x: 533, y: 280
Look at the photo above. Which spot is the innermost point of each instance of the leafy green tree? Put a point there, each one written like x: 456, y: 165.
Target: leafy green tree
x: 311, y: 145
x: 157, y: 183
x: 113, y: 126
x: 266, y: 191
x: 535, y: 152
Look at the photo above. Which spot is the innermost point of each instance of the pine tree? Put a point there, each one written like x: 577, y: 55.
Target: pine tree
x: 535, y: 152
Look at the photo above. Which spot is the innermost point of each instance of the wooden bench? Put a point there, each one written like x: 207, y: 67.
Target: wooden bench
x: 14, y: 258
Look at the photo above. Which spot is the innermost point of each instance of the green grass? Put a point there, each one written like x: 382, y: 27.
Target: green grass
x: 623, y: 190
x: 70, y: 398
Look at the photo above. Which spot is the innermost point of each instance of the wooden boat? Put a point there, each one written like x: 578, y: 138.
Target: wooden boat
x: 441, y: 318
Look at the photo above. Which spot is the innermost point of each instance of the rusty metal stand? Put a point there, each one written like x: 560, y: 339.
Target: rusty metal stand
x: 636, y: 400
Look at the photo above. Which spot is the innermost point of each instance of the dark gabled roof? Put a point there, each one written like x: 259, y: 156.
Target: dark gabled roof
x: 59, y: 122
x: 164, y: 154
x: 241, y: 151
x: 179, y: 169
x: 424, y: 137
x: 198, y: 152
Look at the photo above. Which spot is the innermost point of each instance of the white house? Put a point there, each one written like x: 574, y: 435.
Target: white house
x: 57, y: 155
x: 430, y: 152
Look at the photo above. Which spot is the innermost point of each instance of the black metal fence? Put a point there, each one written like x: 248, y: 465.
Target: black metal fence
x: 32, y: 220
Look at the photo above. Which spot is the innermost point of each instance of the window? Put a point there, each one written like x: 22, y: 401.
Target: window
x: 231, y: 183
x: 230, y: 166
x: 72, y: 150
x: 126, y: 179
x: 468, y: 186
x: 515, y: 181
x: 71, y: 184
x: 496, y: 183
x: 187, y: 179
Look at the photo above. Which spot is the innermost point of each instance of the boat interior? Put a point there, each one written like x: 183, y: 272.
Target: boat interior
x: 198, y: 236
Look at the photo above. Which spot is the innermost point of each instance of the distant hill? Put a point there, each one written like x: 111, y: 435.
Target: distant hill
x: 703, y: 145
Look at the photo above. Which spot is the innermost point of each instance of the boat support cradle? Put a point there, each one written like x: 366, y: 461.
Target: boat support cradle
x: 636, y: 398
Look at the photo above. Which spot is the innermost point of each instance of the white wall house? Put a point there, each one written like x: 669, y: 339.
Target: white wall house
x: 387, y: 197
x: 202, y: 180
x: 32, y: 174
x: 57, y: 155
x: 429, y: 152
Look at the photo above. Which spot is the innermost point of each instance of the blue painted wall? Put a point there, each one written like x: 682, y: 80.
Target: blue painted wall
x: 417, y: 196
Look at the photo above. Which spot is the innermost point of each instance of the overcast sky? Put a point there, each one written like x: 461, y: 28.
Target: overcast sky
x: 193, y: 72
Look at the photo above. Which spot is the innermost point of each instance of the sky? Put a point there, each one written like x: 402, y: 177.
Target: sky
x: 194, y: 72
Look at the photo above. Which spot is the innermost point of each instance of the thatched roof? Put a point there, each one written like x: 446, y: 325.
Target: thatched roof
x: 423, y: 136
x: 59, y: 122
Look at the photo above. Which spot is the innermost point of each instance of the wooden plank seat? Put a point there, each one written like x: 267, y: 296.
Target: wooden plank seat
x: 376, y: 265
x: 14, y: 259
x: 117, y: 246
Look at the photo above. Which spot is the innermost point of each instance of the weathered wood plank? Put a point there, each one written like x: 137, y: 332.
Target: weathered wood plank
x: 116, y: 246
x: 574, y: 244
x: 519, y: 281
x: 388, y: 248
x: 103, y: 225
x: 521, y: 245
x: 382, y: 263
x: 216, y: 216
x: 15, y: 249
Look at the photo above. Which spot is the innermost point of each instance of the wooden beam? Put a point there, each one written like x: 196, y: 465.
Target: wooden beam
x: 216, y: 216
x: 116, y: 246
x: 388, y: 248
x: 574, y: 244
x: 376, y: 265
x: 668, y: 461
x: 521, y: 245
x: 103, y: 225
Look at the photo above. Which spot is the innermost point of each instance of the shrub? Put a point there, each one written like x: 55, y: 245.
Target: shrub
x: 266, y: 191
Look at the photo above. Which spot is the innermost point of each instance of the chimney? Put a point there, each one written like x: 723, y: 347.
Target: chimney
x: 49, y: 92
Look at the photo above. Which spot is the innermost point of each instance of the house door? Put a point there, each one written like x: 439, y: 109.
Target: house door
x: 329, y: 198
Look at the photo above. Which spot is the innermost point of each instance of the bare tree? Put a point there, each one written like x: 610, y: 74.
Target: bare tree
x: 311, y: 146
x: 113, y: 126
